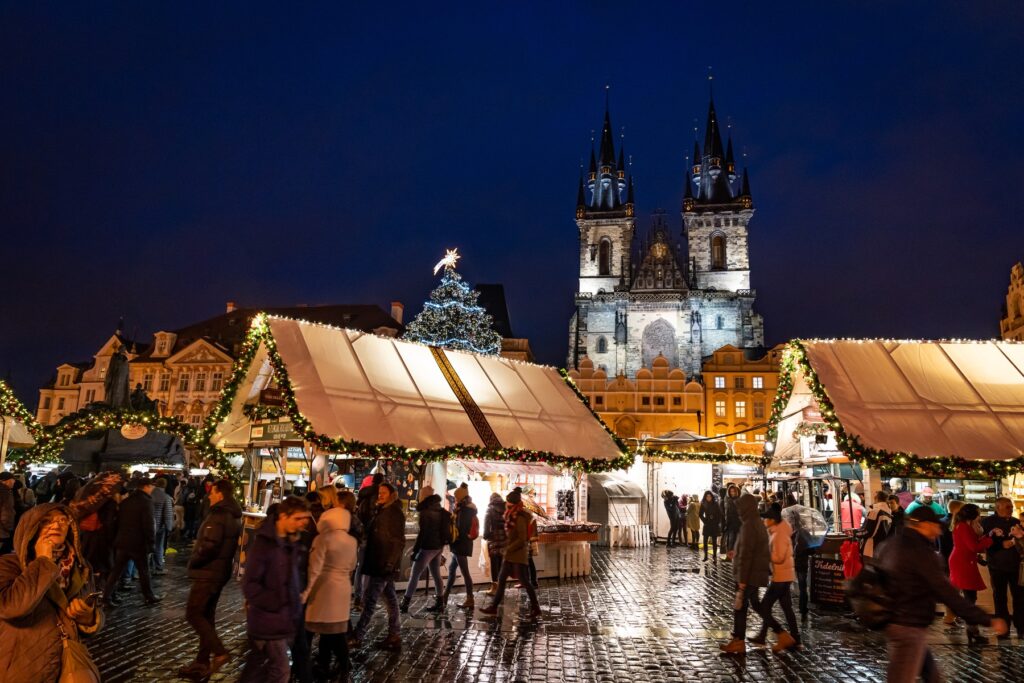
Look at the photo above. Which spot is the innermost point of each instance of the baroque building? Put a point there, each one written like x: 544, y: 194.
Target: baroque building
x: 1011, y: 327
x: 739, y: 386
x: 641, y: 299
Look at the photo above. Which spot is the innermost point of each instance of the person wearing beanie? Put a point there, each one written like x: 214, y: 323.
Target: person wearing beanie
x: 425, y: 492
x: 780, y: 544
x: 467, y: 528
x: 517, y: 554
x: 163, y: 523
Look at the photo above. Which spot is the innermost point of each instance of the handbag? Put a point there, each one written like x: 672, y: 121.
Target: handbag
x: 76, y: 666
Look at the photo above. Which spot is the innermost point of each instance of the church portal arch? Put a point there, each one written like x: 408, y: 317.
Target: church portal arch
x: 659, y: 337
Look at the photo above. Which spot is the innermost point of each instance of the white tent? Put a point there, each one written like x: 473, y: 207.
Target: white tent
x: 17, y: 426
x: 885, y: 400
x: 358, y: 388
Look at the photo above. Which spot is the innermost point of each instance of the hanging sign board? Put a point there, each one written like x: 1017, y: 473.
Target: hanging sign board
x: 274, y: 432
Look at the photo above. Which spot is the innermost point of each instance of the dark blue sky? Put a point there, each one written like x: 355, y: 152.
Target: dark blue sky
x: 159, y: 162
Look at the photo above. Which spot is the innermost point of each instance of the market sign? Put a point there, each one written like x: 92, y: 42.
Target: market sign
x: 133, y: 432
x: 273, y: 432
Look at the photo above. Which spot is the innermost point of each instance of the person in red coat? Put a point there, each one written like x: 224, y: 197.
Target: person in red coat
x: 968, y: 541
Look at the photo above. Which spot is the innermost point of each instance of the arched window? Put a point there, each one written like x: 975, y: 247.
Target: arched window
x: 719, y: 323
x: 605, y: 258
x: 718, y: 252
x: 602, y: 345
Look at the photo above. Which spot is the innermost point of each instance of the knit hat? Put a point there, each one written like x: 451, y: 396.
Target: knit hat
x: 426, y: 491
x: 924, y: 513
x: 774, y: 512
x: 5, y: 476
x: 461, y: 492
x: 515, y: 496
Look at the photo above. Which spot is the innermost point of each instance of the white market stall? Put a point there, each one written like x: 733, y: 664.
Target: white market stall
x: 944, y: 414
x: 352, y: 394
x: 18, y: 429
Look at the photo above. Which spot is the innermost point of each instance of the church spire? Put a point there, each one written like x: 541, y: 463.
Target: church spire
x: 607, y: 183
x: 730, y: 162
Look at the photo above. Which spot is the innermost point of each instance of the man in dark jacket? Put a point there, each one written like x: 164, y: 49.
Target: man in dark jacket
x: 7, y: 512
x: 462, y: 544
x: 163, y: 522
x: 435, y: 534
x: 209, y: 568
x: 384, y: 546
x: 914, y: 582
x: 273, y: 612
x: 134, y: 541
x: 751, y: 569
x: 1004, y: 563
x: 366, y: 505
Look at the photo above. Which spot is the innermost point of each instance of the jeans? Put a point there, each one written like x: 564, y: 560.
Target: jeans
x: 159, y: 549
x: 121, y: 560
x: 729, y: 540
x: 777, y: 592
x: 462, y: 563
x: 302, y: 654
x: 201, y: 615
x: 425, y: 558
x: 1001, y: 581
x: 521, y: 571
x: 267, y: 662
x: 909, y: 656
x: 496, y: 561
x: 744, y: 600
x: 357, y: 580
x: 675, y: 526
x: 374, y: 588
x: 971, y: 597
x: 713, y: 542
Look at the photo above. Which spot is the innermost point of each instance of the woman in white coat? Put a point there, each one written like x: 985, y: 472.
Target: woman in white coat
x: 328, y: 597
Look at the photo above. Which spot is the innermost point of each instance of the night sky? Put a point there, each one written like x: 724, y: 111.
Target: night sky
x: 158, y: 164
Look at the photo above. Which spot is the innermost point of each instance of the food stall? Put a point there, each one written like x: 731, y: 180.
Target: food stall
x: 433, y: 415
x: 945, y: 414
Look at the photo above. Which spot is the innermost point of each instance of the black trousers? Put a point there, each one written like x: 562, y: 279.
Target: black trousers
x: 675, y: 530
x: 121, y: 559
x: 496, y: 561
x: 201, y: 615
x: 742, y: 602
x: 522, y: 572
x: 777, y: 592
x: 333, y: 645
x: 803, y: 563
x: 1001, y: 581
x: 712, y: 542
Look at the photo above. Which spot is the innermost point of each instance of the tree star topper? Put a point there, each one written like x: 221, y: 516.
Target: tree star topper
x: 450, y: 257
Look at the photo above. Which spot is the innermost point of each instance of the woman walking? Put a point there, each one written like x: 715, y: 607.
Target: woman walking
x: 675, y: 521
x: 494, y: 534
x: 711, y: 517
x: 329, y: 594
x: 780, y: 544
x: 462, y: 545
x: 968, y: 541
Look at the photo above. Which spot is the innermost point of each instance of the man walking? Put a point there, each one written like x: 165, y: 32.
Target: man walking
x: 273, y: 612
x: 517, y: 553
x: 384, y: 546
x: 209, y: 568
x: 163, y: 522
x: 1004, y: 563
x: 7, y: 512
x: 915, y: 581
x: 751, y: 561
x: 134, y: 541
x: 434, y: 534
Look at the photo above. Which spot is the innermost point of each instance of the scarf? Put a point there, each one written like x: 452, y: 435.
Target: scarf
x: 510, y: 516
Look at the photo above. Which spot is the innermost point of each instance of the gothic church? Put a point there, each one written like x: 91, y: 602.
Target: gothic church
x: 639, y: 299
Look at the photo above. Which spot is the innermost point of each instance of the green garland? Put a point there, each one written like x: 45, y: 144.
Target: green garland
x: 260, y: 334
x: 810, y: 429
x: 10, y: 406
x: 888, y: 462
x: 704, y: 457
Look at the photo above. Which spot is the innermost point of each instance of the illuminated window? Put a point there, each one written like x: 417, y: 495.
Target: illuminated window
x: 741, y: 437
x: 147, y: 382
x: 183, y: 380
x: 165, y: 381
x: 719, y: 382
x: 720, y: 408
x: 759, y: 438
x: 741, y: 409
x: 758, y: 382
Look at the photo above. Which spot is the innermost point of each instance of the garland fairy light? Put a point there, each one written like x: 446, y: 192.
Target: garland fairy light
x: 10, y: 406
x: 794, y: 359
x: 260, y: 333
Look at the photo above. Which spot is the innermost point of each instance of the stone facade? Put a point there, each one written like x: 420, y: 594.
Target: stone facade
x: 1011, y: 327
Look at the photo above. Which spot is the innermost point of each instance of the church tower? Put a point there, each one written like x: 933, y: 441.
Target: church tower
x: 717, y: 208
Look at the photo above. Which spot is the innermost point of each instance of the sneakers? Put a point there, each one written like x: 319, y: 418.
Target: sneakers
x: 784, y: 642
x: 736, y: 646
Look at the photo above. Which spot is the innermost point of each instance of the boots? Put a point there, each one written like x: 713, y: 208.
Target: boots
x: 438, y: 605
x: 493, y: 589
x: 736, y: 646
x: 404, y: 607
x: 469, y: 603
x: 784, y: 642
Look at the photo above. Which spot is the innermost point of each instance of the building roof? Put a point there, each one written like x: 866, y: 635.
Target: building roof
x: 492, y: 298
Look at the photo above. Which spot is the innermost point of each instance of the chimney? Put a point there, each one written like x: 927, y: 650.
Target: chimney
x: 396, y: 310
x: 231, y: 307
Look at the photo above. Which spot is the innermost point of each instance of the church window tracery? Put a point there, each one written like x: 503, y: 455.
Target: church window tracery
x: 602, y: 345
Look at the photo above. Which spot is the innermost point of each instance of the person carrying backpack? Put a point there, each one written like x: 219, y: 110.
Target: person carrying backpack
x: 878, y: 526
x: 914, y: 582
x: 517, y: 554
x: 468, y: 528
x: 435, y: 533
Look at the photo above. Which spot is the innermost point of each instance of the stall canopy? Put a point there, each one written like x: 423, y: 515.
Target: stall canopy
x: 350, y: 390
x: 18, y: 428
x: 899, y: 403
x: 681, y: 445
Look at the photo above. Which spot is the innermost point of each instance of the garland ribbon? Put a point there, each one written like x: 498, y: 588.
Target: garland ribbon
x: 476, y: 416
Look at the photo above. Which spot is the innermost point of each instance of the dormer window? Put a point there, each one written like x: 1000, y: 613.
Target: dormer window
x: 161, y: 347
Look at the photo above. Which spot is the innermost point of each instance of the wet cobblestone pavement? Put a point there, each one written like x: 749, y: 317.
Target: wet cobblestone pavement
x: 649, y: 615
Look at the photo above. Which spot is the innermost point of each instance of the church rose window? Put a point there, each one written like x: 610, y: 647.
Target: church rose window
x: 605, y: 258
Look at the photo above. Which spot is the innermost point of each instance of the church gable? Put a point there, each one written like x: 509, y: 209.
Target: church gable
x: 659, y: 268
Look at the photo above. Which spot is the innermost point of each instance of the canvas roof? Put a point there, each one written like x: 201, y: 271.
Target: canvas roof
x: 930, y: 399
x: 19, y: 435
x: 361, y: 387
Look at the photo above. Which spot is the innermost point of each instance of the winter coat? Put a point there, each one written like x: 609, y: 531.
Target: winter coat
x: 465, y: 513
x: 780, y: 544
x: 938, y: 509
x: 963, y: 561
x: 851, y: 519
x: 494, y: 526
x: 366, y: 503
x: 915, y: 582
x: 385, y: 541
x: 331, y: 563
x: 672, y: 508
x: 1000, y: 558
x: 693, y: 515
x: 877, y: 528
x: 733, y: 519
x: 271, y: 586
x: 435, y: 525
x: 32, y: 604
x: 518, y: 549
x: 752, y: 559
x: 163, y: 510
x: 135, y: 524
x: 711, y: 517
x: 213, y: 554
x: 7, y: 511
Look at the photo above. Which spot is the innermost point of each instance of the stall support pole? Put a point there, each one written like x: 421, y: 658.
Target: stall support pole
x: 5, y: 440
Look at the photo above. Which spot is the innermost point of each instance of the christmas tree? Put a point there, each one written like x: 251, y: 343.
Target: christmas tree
x: 451, y: 318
